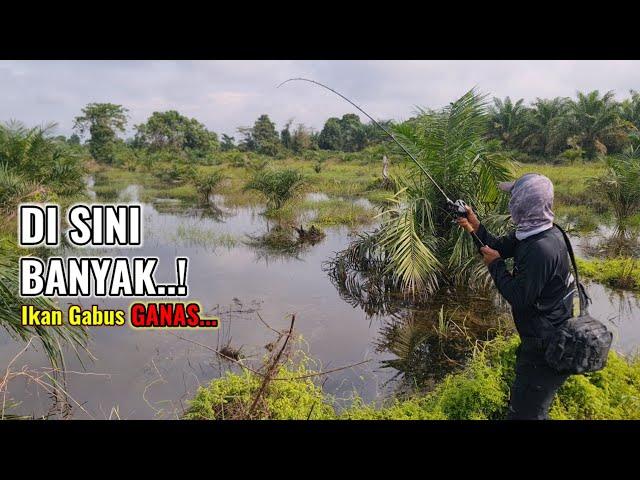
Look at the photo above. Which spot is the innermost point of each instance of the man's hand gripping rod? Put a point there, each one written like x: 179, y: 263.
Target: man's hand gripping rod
x: 457, y: 208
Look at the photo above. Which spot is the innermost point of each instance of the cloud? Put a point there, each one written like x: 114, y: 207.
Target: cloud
x: 227, y: 94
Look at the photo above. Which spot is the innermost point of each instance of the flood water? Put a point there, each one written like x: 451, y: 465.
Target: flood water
x: 151, y: 374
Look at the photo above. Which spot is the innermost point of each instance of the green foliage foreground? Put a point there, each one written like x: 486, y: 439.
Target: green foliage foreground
x: 480, y: 391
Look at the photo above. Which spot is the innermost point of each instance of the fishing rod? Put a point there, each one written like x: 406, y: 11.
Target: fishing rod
x: 458, y: 208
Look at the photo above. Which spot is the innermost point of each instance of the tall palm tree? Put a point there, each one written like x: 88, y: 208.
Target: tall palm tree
x: 418, y: 249
x: 31, y: 164
x: 593, y: 120
x: 630, y: 109
x: 543, y: 132
x: 508, y: 121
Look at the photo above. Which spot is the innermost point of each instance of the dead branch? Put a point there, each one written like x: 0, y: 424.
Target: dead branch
x: 273, y: 366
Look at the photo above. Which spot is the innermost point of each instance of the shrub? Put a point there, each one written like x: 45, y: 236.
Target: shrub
x: 277, y: 186
x: 620, y: 186
x: 206, y: 184
x: 231, y: 396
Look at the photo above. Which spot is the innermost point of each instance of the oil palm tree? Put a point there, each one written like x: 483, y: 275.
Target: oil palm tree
x: 37, y: 156
x: 619, y: 185
x: 52, y: 339
x: 508, y: 121
x: 593, y: 120
x: 630, y: 109
x: 207, y: 183
x: 417, y: 248
x: 543, y: 133
x: 277, y: 186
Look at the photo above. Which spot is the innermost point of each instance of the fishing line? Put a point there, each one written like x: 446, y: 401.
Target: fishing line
x: 379, y: 126
x: 459, y: 207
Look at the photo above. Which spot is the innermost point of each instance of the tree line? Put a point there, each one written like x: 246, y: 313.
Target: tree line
x: 588, y: 126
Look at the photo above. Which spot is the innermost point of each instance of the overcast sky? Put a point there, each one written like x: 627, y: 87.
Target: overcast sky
x: 226, y: 94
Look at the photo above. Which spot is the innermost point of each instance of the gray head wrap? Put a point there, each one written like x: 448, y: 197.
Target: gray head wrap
x: 531, y: 204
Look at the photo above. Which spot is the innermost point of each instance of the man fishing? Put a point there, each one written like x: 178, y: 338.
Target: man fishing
x: 539, y: 289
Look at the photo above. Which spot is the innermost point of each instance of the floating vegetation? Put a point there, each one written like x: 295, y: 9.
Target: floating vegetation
x: 194, y: 235
x: 310, y: 235
x: 280, y: 242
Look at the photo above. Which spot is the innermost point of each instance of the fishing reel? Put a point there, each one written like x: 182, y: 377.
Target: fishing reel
x: 457, y: 208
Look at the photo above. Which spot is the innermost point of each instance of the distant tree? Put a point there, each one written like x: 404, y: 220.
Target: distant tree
x: 373, y: 133
x: 301, y: 139
x: 593, y: 121
x: 354, y: 137
x: 345, y: 134
x: 507, y: 121
x: 543, y: 132
x: 265, y: 135
x: 262, y: 137
x: 228, y: 143
x: 330, y: 137
x: 172, y: 130
x: 74, y: 139
x: 630, y: 109
x: 285, y: 135
x: 103, y: 121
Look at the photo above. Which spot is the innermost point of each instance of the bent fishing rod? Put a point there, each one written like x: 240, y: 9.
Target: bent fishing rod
x: 458, y: 208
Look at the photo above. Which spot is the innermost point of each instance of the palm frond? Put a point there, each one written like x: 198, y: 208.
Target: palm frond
x: 51, y: 338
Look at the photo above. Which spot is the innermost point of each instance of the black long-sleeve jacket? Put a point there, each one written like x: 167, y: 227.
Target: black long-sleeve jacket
x: 540, y: 286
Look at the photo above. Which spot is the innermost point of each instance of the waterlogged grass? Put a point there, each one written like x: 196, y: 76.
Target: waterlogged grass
x: 570, y: 182
x: 480, y: 391
x: 326, y: 213
x: 107, y: 192
x: 623, y: 273
x: 342, y: 212
x: 340, y: 175
x: 193, y: 235
x: 579, y: 217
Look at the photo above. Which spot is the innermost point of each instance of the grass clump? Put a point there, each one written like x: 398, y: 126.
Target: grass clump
x: 623, y: 273
x: 231, y: 396
x: 341, y: 212
x: 193, y: 235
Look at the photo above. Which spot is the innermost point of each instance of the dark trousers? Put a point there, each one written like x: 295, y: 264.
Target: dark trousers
x: 534, y: 386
